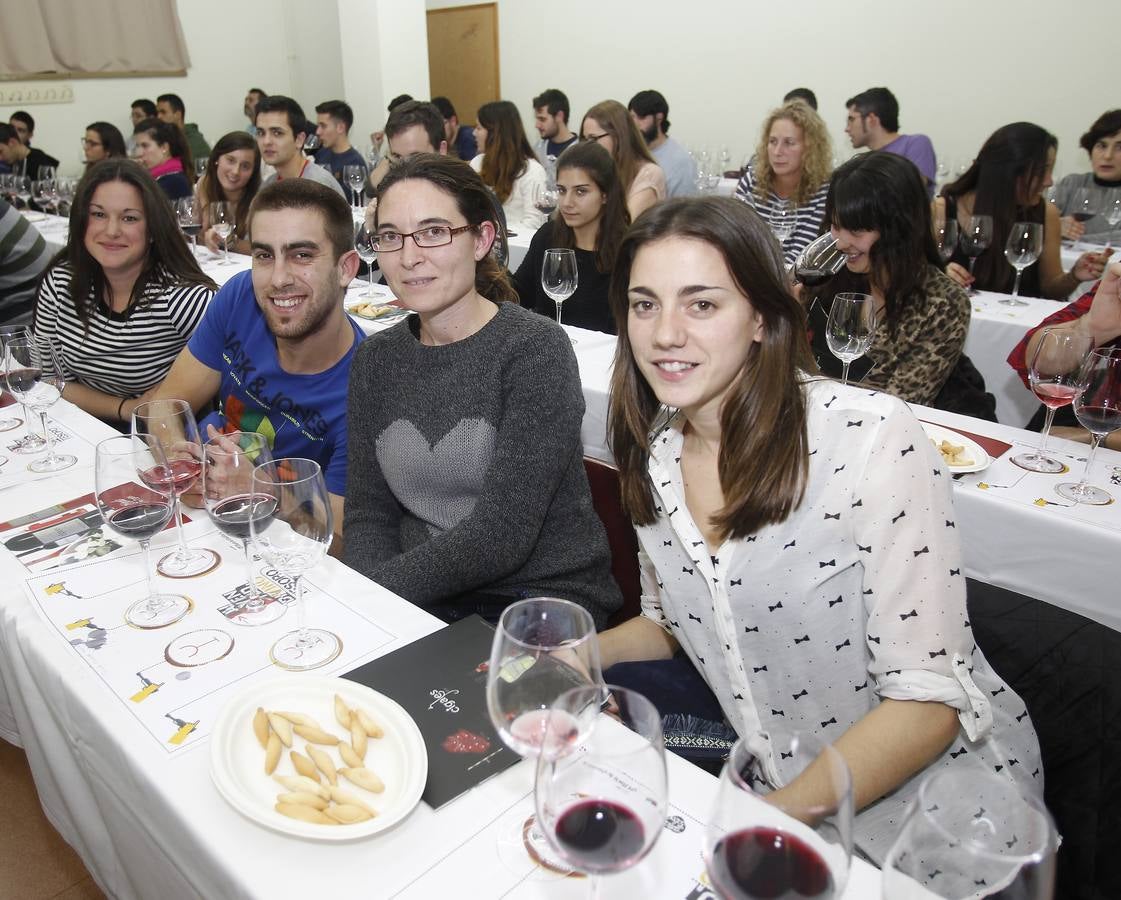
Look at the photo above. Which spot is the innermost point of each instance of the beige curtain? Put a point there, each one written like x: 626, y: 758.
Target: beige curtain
x: 72, y: 38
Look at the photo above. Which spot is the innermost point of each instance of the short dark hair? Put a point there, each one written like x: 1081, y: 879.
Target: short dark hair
x: 175, y: 102
x: 417, y: 112
x: 447, y: 110
x: 398, y: 100
x: 650, y: 103
x: 554, y: 101
x: 111, y: 138
x: 1108, y: 123
x: 302, y: 193
x: 7, y: 133
x: 882, y: 102
x: 165, y: 133
x: 20, y: 116
x: 297, y: 121
x: 148, y: 107
x: 804, y: 94
x: 337, y: 109
x: 260, y: 94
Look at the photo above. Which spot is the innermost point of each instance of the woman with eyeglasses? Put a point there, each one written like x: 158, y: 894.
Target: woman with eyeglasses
x: 466, y: 488
x: 102, y: 141
x: 508, y: 164
x: 610, y: 125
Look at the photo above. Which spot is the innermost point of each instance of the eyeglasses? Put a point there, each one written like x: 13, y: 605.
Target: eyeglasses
x: 595, y: 138
x: 432, y: 236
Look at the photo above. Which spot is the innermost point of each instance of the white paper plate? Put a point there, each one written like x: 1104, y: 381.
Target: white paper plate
x: 981, y: 459
x: 237, y: 762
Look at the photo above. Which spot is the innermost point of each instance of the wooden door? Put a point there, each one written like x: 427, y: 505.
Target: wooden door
x: 463, y: 57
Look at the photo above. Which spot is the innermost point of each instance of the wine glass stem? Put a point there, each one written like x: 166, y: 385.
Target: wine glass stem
x: 181, y: 553
x: 1016, y: 284
x: 1048, y: 419
x: 370, y: 275
x: 559, y: 303
x: 845, y: 371
x: 155, y: 602
x: 195, y: 244
x: 47, y: 435
x: 1095, y: 439
x: 594, y: 882
x: 301, y: 617
x: 254, y: 603
x: 972, y: 261
x: 226, y: 250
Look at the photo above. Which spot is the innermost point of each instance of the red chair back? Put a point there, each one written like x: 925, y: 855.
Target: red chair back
x: 604, y: 482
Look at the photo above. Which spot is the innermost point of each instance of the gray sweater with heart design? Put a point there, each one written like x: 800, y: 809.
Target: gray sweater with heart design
x: 466, y: 471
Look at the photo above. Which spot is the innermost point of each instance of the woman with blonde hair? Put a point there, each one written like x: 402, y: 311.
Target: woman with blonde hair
x: 508, y: 164
x: 610, y: 125
x: 789, y: 176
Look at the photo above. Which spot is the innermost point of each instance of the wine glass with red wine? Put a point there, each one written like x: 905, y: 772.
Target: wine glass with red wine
x: 228, y: 461
x: 602, y: 805
x: 971, y: 833
x: 168, y: 431
x: 1098, y: 410
x: 137, y: 513
x: 1084, y: 205
x: 1055, y: 375
x: 819, y: 262
x: 782, y: 826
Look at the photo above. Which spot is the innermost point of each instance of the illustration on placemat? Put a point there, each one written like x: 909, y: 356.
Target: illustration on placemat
x: 197, y: 648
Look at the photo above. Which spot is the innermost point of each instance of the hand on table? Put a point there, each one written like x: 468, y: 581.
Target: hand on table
x: 1090, y: 265
x: 212, y: 241
x: 1072, y: 229
x: 959, y: 274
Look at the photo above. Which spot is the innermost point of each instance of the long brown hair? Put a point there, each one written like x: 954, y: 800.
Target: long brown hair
x: 507, y: 150
x: 211, y: 190
x: 764, y: 452
x: 596, y: 162
x: 168, y: 263
x: 474, y: 201
x: 630, y: 147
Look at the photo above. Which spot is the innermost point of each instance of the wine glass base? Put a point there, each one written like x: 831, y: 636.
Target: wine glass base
x: 1083, y: 493
x: 1033, y: 462
x: 30, y: 447
x: 158, y: 611
x: 55, y: 463
x: 1012, y: 300
x: 265, y: 615
x: 523, y: 848
x: 313, y: 649
x: 193, y: 564
x: 10, y: 424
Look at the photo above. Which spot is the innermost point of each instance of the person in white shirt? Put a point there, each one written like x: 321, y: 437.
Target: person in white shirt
x: 797, y: 535
x: 650, y: 113
x: 508, y: 164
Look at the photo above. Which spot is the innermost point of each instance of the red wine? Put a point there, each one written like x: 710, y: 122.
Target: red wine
x: 177, y: 475
x: 813, y: 277
x: 22, y: 380
x: 233, y: 514
x: 1099, y: 419
x: 1054, y: 395
x: 191, y: 230
x: 1082, y: 216
x: 141, y: 520
x: 600, y: 836
x: 760, y: 863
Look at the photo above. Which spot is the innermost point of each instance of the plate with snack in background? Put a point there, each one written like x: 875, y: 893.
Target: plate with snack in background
x: 317, y: 757
x: 960, y: 453
x: 377, y: 311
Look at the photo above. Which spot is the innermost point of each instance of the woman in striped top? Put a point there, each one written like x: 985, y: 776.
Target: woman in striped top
x: 121, y: 299
x: 791, y: 164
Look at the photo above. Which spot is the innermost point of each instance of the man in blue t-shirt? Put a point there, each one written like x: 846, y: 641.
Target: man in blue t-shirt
x: 275, y: 344
x: 333, y: 120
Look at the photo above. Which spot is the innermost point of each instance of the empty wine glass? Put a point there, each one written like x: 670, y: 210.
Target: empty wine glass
x: 559, y: 276
x: 819, y: 261
x: 782, y: 220
x: 782, y: 825
x: 976, y: 238
x: 946, y: 237
x: 970, y: 834
x: 1055, y: 375
x: 48, y: 173
x: 365, y: 240
x: 1098, y: 409
x: 10, y: 423
x: 602, y: 806
x: 1112, y: 208
x: 355, y: 178
x: 228, y: 462
x: 34, y: 375
x: 43, y: 192
x: 168, y: 430
x: 545, y: 197
x: 222, y: 221
x: 851, y: 328
x: 200, y: 166
x: 294, y: 539
x: 1022, y: 249
x: 188, y: 211
x: 137, y: 513
x: 21, y: 187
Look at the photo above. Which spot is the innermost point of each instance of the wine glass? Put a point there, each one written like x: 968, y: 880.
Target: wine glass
x: 851, y: 327
x: 602, y: 806
x: 294, y: 539
x: 782, y: 220
x: 1022, y: 249
x: 138, y: 513
x: 819, y: 261
x: 946, y: 237
x: 200, y: 166
x: 782, y: 825
x: 66, y: 189
x: 43, y: 192
x: 169, y: 431
x: 545, y: 197
x: 10, y: 423
x: 364, y: 245
x: 970, y: 833
x: 48, y: 173
x: 1098, y: 409
x: 1055, y: 375
x: 1084, y: 205
x: 21, y: 186
x: 228, y: 462
x: 188, y: 212
x: 1112, y: 208
x: 222, y: 221
x: 34, y: 375
x: 355, y: 176
x: 31, y: 443
x: 559, y: 276
x: 975, y: 239
x: 312, y: 143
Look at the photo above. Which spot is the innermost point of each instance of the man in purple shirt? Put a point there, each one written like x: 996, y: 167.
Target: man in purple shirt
x: 873, y: 122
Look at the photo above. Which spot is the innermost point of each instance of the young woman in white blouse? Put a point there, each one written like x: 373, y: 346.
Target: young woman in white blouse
x: 797, y: 535
x: 508, y: 164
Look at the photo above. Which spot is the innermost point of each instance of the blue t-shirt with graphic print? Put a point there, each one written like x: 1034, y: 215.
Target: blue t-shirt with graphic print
x: 301, y: 415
